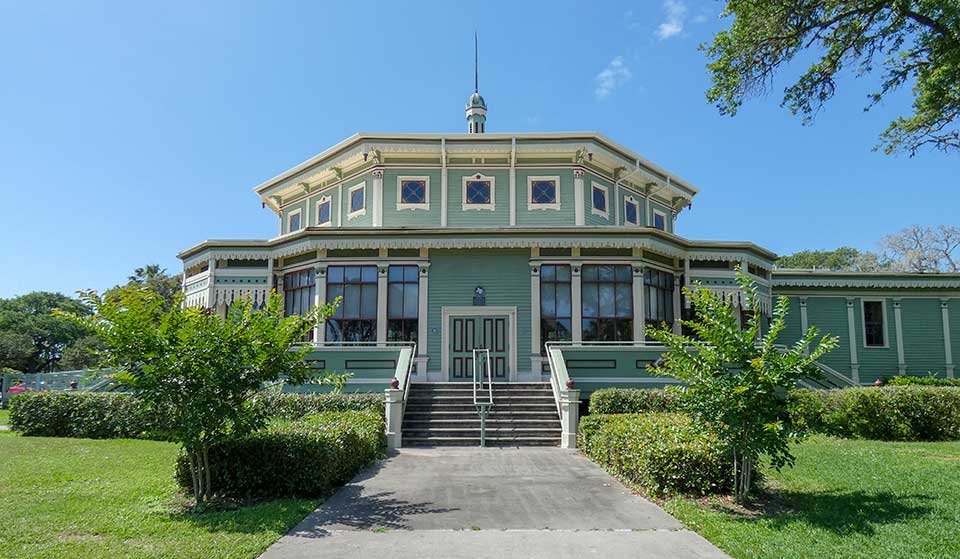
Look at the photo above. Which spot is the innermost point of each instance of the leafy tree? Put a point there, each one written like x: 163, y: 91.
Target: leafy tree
x: 32, y: 337
x: 197, y: 368
x: 736, y: 379
x: 81, y: 354
x: 924, y: 249
x: 841, y: 259
x: 155, y: 278
x: 915, y: 42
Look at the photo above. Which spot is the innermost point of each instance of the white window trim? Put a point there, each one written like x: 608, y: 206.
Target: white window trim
x: 631, y: 200
x: 653, y: 222
x: 324, y: 200
x: 605, y: 214
x: 297, y: 212
x: 401, y: 205
x: 531, y: 205
x: 863, y: 323
x: 350, y: 191
x: 493, y: 192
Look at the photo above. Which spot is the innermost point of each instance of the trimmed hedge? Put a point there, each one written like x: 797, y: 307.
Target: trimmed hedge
x: 304, y: 458
x: 663, y: 453
x: 921, y: 381
x: 633, y: 400
x: 894, y: 413
x: 97, y: 415
x: 89, y: 415
x: 290, y: 405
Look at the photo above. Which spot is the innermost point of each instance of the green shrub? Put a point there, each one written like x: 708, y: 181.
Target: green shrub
x: 303, y: 458
x: 921, y: 381
x: 633, y: 400
x: 96, y: 415
x: 290, y: 405
x: 90, y: 415
x: 895, y: 413
x: 662, y: 453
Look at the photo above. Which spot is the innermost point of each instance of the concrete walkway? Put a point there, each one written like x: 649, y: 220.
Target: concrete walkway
x: 489, y: 503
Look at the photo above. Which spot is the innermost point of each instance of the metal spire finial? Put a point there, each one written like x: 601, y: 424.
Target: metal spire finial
x: 476, y: 74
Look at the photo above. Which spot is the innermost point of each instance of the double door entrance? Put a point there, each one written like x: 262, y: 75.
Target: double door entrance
x: 467, y: 333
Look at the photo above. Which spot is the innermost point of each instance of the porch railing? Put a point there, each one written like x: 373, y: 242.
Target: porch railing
x: 483, y: 402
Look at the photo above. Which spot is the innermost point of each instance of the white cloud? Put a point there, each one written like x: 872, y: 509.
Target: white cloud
x: 610, y: 78
x: 675, y: 12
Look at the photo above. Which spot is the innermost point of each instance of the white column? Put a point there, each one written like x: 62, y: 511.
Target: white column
x: 575, y: 302
x: 898, y: 325
x: 393, y: 403
x: 320, y: 298
x: 804, y: 321
x: 340, y: 205
x: 443, y: 182
x: 947, y: 347
x: 852, y: 333
x: 423, y: 320
x: 569, y: 417
x: 513, y: 182
x: 377, y: 200
x: 382, y: 302
x: 535, y: 341
x: 686, y: 279
x: 211, y: 281
x: 578, y: 201
x: 639, y: 312
x: 677, y: 328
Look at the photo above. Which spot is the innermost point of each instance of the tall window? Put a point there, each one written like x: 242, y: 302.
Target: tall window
x: 660, y: 220
x: 555, y: 307
x: 358, y: 200
x: 294, y: 222
x: 599, y: 195
x: 873, y: 327
x: 323, y: 211
x: 299, y: 290
x: 630, y: 211
x: 658, y: 288
x: 403, y: 291
x: 607, y: 303
x: 356, y: 316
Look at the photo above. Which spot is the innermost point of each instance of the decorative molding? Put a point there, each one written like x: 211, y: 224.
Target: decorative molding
x: 492, y: 180
x: 425, y: 205
x: 879, y: 281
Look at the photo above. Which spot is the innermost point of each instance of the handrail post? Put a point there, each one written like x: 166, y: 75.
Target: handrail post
x: 569, y: 417
x: 393, y: 400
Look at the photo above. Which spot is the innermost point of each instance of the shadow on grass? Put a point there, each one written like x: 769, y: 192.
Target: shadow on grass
x: 843, y: 513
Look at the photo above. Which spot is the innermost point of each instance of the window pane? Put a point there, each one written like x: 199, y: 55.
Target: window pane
x: 590, y: 273
x: 590, y: 330
x: 563, y: 300
x: 544, y: 192
x: 563, y: 273
x: 607, y: 300
x: 624, y: 300
x: 356, y: 200
x: 631, y: 212
x: 410, y: 300
x: 351, y: 301
x: 548, y: 300
x: 590, y: 302
x: 335, y: 274
x: 478, y: 192
x: 606, y: 273
x: 351, y: 274
x: 323, y: 214
x: 548, y: 273
x: 410, y: 273
x: 413, y: 192
x: 600, y: 199
x: 395, y: 300
x: 395, y: 273
x: 659, y: 222
x: 295, y: 222
x: 624, y: 274
x: 368, y: 304
x: 369, y: 274
x: 334, y: 291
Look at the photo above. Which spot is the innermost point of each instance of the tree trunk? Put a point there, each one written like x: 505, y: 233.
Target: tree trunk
x: 742, y: 475
x: 206, y: 470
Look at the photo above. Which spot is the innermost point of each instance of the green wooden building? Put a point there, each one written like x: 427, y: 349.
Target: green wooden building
x: 553, y: 251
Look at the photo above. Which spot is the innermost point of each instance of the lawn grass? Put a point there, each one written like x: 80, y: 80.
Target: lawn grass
x: 4, y: 417
x: 65, y: 498
x: 845, y: 498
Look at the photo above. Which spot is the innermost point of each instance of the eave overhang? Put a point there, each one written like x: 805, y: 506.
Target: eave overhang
x: 362, y: 151
x: 787, y: 278
x: 644, y: 238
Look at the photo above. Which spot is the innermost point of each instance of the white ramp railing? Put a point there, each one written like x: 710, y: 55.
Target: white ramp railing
x: 482, y: 391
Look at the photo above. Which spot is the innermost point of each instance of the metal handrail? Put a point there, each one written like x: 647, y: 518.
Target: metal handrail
x: 483, y: 406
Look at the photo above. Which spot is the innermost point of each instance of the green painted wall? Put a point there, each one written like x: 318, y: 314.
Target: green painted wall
x: 393, y: 217
x: 458, y: 217
x: 365, y: 220
x: 588, y: 216
x: 654, y: 205
x: 876, y: 362
x: 953, y: 307
x: 566, y: 215
x: 334, y: 194
x: 923, y: 336
x: 504, y: 274
x: 829, y: 315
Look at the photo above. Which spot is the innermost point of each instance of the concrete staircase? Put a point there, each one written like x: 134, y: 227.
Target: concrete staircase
x: 443, y: 414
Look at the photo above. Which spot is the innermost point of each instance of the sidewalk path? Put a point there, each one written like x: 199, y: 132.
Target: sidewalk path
x: 489, y: 503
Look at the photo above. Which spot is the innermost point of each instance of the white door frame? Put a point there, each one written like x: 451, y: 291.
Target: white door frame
x: 447, y: 312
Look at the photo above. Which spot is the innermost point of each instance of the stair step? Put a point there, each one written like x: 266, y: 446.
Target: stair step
x: 475, y: 441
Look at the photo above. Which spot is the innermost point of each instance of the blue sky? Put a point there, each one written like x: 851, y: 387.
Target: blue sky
x: 130, y: 131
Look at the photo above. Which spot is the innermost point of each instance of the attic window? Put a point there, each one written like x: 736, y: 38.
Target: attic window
x: 478, y: 192
x: 599, y: 197
x: 413, y: 193
x: 323, y: 211
x: 660, y: 220
x: 630, y: 211
x: 544, y: 193
x: 358, y: 201
x: 293, y: 221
